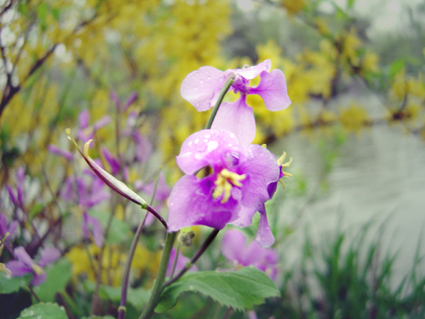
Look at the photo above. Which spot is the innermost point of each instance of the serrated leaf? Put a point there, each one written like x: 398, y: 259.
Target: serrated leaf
x: 57, y: 278
x: 44, y: 311
x: 240, y: 289
x: 118, y: 231
x: 9, y: 285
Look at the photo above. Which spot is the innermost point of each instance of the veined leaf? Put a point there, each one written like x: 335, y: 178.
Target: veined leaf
x: 44, y: 311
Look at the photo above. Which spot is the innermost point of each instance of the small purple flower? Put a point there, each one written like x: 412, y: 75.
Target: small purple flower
x: 56, y: 150
x: 234, y: 189
x: 96, y: 229
x: 25, y: 265
x: 180, y: 264
x: 112, y: 161
x: 18, y: 199
x: 201, y: 88
x: 86, y: 132
x: 114, y: 97
x: 233, y: 247
x: 4, y: 229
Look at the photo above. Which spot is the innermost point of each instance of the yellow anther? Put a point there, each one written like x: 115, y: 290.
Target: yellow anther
x: 224, y: 182
x: 282, y: 158
x: 37, y: 269
x: 264, y: 145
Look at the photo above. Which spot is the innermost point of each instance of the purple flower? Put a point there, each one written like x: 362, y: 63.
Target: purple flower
x: 56, y: 150
x: 233, y: 247
x: 112, y: 161
x: 201, y: 88
x: 180, y: 264
x: 114, y: 97
x: 87, y: 132
x: 4, y: 229
x: 25, y: 265
x: 18, y: 199
x: 234, y: 189
x: 96, y: 229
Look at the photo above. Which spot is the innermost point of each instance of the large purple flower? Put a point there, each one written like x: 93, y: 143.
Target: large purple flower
x: 233, y: 247
x: 25, y: 265
x: 234, y: 189
x: 201, y: 88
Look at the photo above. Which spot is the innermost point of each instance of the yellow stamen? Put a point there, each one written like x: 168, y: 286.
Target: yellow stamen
x: 224, y: 182
x: 37, y: 269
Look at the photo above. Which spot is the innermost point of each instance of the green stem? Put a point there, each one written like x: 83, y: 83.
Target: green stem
x: 158, y: 285
x: 223, y: 92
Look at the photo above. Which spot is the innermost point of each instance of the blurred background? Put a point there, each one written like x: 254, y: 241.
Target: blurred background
x: 349, y: 224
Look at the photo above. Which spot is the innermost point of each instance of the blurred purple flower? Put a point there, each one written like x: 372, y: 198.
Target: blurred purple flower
x: 86, y: 132
x: 112, y: 161
x: 161, y: 194
x: 25, y: 265
x: 18, y: 199
x: 91, y: 225
x: 233, y: 247
x: 232, y: 192
x: 180, y: 264
x: 201, y: 88
x: 143, y: 147
x: 56, y: 150
x: 5, y: 229
x: 114, y: 97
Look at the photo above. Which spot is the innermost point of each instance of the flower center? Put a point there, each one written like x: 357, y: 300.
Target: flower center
x: 225, y: 180
x: 37, y: 269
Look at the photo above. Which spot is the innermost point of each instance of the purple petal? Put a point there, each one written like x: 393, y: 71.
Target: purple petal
x: 97, y: 229
x: 85, y: 226
x: 202, y: 87
x: 112, y: 161
x: 12, y: 227
x: 238, y: 118
x: 18, y: 268
x: 253, y: 71
x: 131, y: 99
x: 102, y: 122
x: 39, y: 279
x: 273, y: 90
x: 56, y: 150
x: 232, y: 245
x: 67, y: 193
x: 150, y: 219
x: 84, y: 119
x: 12, y: 195
x: 22, y: 256
x: 48, y: 256
x: 191, y: 204
x: 265, y: 236
x: 143, y: 147
x: 205, y: 148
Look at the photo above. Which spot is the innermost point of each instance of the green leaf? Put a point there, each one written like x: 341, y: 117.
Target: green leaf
x: 9, y: 285
x: 44, y: 311
x: 58, y: 277
x: 350, y: 3
x: 240, y: 289
x: 42, y: 12
x: 36, y: 209
x: 98, y: 317
x: 119, y: 230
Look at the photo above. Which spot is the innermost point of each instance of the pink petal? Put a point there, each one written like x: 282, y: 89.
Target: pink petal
x: 191, y: 204
x: 238, y: 118
x: 131, y: 99
x: 205, y: 148
x: 253, y: 71
x: 233, y: 244
x: 273, y: 90
x: 48, y: 256
x: 265, y: 236
x: 84, y: 119
x: 201, y: 87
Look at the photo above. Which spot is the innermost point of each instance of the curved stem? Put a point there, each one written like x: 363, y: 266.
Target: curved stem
x: 195, y: 258
x: 223, y: 92
x: 158, y: 285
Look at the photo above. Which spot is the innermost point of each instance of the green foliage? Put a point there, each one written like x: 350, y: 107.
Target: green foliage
x: 137, y: 297
x: 58, y: 277
x: 43, y: 311
x: 10, y: 285
x: 240, y: 290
